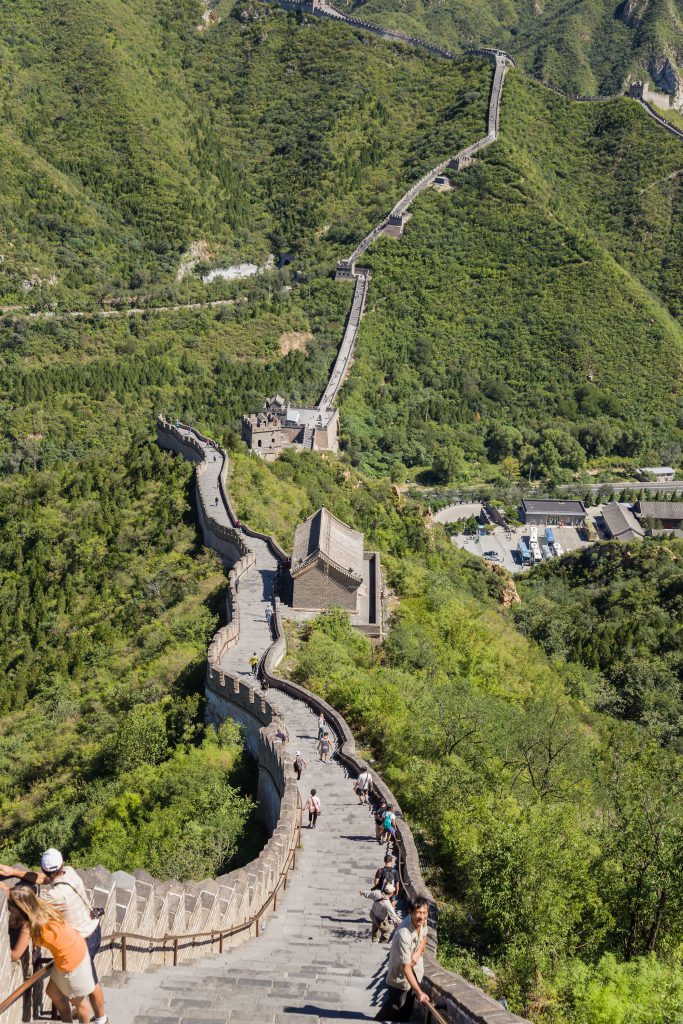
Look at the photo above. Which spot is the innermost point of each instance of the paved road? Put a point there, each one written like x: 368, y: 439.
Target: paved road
x: 78, y: 314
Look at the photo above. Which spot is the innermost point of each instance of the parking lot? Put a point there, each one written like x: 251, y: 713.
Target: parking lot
x: 505, y: 542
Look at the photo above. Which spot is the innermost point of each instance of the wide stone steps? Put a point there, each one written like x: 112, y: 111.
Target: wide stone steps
x: 314, y: 960
x: 260, y: 982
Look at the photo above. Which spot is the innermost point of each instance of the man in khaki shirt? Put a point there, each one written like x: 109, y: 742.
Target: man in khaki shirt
x: 405, y: 969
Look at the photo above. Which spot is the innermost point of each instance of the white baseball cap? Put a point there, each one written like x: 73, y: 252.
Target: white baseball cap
x: 51, y: 860
x: 298, y: 753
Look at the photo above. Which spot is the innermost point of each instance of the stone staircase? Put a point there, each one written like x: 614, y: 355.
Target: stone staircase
x: 313, y: 960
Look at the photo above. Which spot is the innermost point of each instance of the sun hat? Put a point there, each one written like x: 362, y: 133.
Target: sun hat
x: 51, y: 860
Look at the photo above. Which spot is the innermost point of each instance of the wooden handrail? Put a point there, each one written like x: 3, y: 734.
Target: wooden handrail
x: 24, y: 987
x: 163, y: 941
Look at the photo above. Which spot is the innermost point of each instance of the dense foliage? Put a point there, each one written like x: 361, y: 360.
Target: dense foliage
x: 615, y: 610
x: 106, y: 608
x: 531, y: 316
x: 555, y: 833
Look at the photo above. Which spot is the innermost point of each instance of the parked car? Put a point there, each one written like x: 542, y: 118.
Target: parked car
x: 492, y: 556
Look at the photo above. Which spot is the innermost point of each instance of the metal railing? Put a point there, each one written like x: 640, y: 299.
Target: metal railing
x: 162, y: 944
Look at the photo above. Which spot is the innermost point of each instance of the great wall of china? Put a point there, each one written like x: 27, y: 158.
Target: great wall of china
x: 300, y: 902
x: 320, y: 8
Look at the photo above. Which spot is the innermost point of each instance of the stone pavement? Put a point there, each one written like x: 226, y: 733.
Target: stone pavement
x: 254, y: 596
x: 314, y: 960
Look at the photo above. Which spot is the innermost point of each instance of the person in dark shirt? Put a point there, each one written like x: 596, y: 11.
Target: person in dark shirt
x: 388, y: 875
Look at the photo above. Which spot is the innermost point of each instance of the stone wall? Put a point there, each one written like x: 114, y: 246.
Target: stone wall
x: 458, y: 1000
x: 139, y: 904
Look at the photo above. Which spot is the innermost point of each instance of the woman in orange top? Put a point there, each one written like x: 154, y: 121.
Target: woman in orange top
x: 72, y: 974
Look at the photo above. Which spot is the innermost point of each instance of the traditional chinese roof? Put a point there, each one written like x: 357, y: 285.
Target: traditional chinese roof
x: 621, y: 522
x: 323, y: 536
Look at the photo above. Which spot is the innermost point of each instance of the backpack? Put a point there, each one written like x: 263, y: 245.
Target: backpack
x: 299, y: 764
x: 389, y: 819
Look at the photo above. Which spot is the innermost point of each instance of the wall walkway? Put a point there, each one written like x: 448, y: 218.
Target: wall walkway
x: 315, y: 961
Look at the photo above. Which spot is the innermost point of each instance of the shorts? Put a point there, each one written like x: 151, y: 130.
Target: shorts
x: 77, y: 983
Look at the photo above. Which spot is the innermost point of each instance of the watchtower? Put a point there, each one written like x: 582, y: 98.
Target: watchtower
x: 263, y: 435
x: 346, y: 271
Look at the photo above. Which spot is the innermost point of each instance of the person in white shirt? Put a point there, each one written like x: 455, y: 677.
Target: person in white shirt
x: 362, y: 786
x: 61, y: 885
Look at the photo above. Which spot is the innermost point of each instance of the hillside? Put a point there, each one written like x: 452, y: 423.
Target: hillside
x: 593, y: 47
x: 549, y: 821
x: 547, y: 327
x: 614, y: 612
x: 251, y: 138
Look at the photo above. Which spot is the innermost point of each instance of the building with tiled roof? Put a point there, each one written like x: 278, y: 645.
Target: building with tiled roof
x: 330, y: 568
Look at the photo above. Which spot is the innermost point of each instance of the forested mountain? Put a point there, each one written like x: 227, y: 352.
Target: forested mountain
x: 530, y: 315
x: 587, y: 48
x: 535, y: 311
x: 127, y: 135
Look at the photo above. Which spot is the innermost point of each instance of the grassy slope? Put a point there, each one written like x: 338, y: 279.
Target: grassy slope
x: 589, y: 47
x: 558, y: 255
x: 252, y: 136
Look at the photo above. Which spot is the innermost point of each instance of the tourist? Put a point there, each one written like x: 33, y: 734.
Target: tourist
x: 71, y: 977
x: 216, y: 501
x: 405, y: 968
x: 387, y: 876
x: 313, y: 808
x: 383, y: 917
x: 60, y: 885
x: 253, y: 661
x: 299, y: 765
x: 379, y: 813
x: 324, y: 747
x: 362, y: 786
x: 389, y: 823
x: 282, y: 734
x: 321, y: 726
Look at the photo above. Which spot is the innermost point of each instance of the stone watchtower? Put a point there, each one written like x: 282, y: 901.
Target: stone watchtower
x: 346, y: 271
x: 263, y: 435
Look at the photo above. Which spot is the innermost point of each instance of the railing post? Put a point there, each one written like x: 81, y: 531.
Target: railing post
x: 258, y: 923
x: 124, y: 952
x: 175, y: 952
x: 220, y: 943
